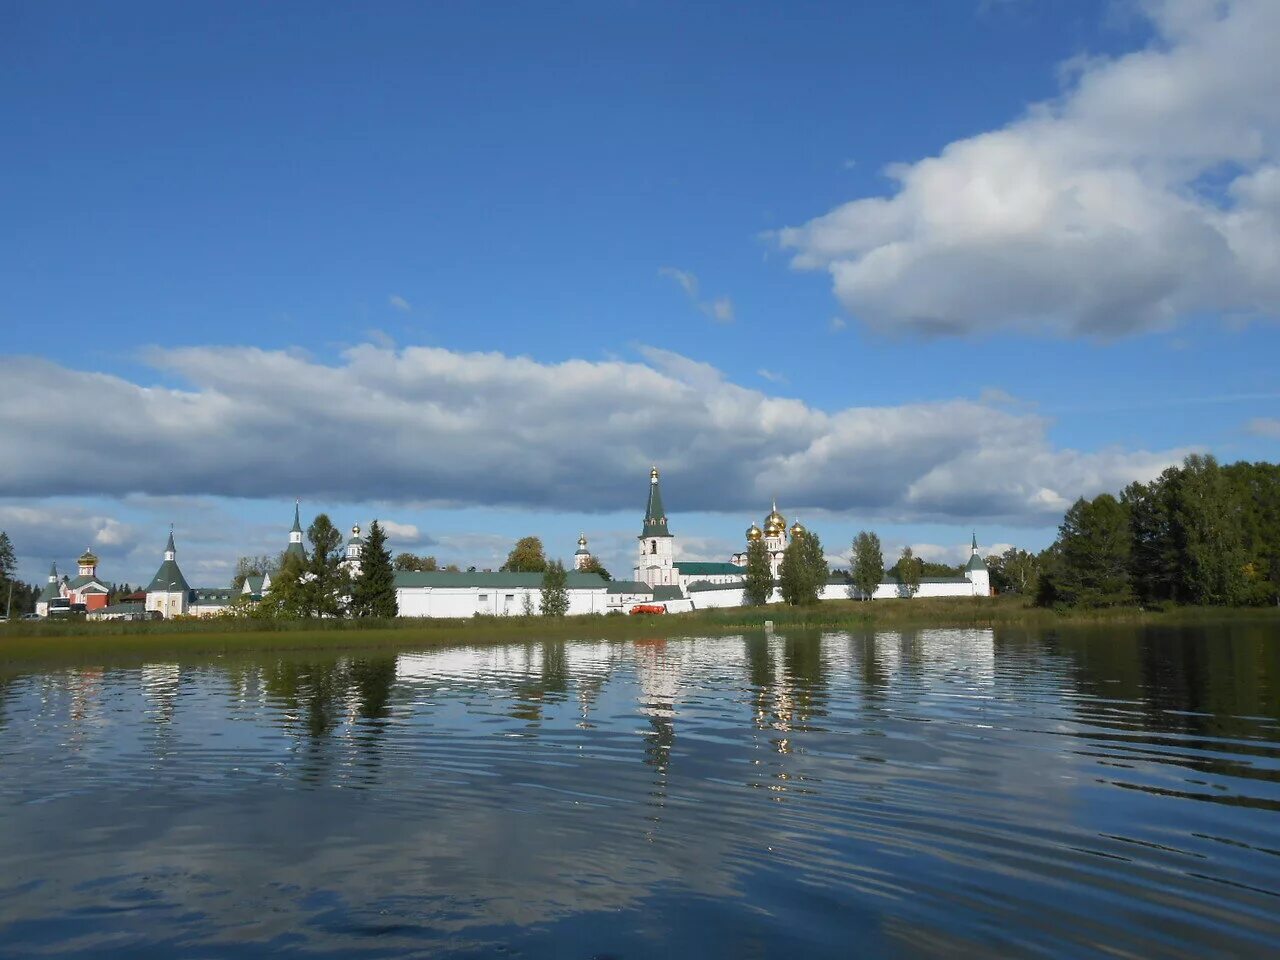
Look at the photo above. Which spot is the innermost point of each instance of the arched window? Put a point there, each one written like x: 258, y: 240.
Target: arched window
x: 653, y: 546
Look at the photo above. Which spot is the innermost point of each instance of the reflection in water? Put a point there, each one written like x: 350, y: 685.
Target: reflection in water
x: 960, y: 792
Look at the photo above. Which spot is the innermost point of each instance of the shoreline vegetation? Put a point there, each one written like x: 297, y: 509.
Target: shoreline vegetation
x: 89, y: 642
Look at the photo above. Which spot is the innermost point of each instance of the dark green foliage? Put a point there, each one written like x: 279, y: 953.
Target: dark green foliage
x: 1093, y: 554
x: 867, y: 567
x: 555, y: 593
x: 16, y: 597
x: 927, y: 568
x: 373, y: 592
x: 326, y: 584
x: 1256, y: 488
x: 1213, y: 534
x: 593, y: 565
x: 286, y: 599
x: 758, y: 580
x: 1200, y: 533
x: 407, y: 561
x: 526, y: 556
x: 1015, y: 571
x: 1157, y: 542
x: 8, y: 561
x: 907, y: 570
x: 803, y: 572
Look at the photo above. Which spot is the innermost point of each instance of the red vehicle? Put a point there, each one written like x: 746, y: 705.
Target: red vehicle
x: 651, y: 608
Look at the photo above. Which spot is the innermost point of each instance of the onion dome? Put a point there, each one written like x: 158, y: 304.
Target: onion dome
x: 88, y: 559
x: 582, y: 547
x: 775, y: 523
x: 796, y: 529
x: 754, y: 533
x: 355, y: 531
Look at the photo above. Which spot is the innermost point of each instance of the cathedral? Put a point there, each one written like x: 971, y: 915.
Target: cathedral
x: 775, y: 537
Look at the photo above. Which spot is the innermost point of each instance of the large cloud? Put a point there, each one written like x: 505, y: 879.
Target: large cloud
x: 430, y: 425
x: 1149, y: 191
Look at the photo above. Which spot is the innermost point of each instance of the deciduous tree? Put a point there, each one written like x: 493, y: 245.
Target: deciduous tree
x: 526, y: 556
x: 758, y: 579
x: 908, y: 568
x: 555, y: 590
x: 867, y: 566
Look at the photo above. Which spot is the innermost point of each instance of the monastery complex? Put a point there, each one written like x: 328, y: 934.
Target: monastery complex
x: 660, y: 578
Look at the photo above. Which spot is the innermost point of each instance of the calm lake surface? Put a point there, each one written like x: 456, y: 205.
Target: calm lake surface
x: 940, y: 792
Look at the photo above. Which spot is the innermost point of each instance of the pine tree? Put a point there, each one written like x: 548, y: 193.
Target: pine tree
x: 373, y: 593
x: 1093, y: 554
x: 555, y: 593
x: 758, y: 581
x: 867, y: 567
x: 909, y: 571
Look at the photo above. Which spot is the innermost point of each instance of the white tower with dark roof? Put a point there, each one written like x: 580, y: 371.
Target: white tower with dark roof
x: 977, y: 573
x: 655, y: 563
x: 169, y: 594
x: 582, y: 556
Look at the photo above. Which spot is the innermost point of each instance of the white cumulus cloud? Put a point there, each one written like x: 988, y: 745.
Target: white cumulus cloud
x: 428, y: 425
x: 1148, y: 191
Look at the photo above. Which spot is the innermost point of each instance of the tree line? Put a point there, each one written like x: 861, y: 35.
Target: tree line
x: 1200, y: 533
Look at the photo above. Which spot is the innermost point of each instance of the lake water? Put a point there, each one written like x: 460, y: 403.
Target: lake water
x: 941, y: 792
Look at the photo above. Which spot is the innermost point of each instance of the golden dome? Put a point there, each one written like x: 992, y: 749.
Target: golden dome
x: 796, y: 529
x: 754, y: 533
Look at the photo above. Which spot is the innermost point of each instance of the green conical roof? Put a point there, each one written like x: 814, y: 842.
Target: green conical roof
x: 168, y: 578
x: 51, y: 590
x: 297, y: 521
x: 655, y: 517
x: 975, y: 561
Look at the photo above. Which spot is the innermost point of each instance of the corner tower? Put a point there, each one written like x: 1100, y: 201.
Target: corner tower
x: 655, y: 562
x: 976, y: 571
x: 168, y: 592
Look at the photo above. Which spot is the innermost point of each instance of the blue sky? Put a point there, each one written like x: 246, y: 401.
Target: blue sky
x: 996, y: 255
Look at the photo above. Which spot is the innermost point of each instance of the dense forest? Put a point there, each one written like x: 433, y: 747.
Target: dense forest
x: 1198, y: 534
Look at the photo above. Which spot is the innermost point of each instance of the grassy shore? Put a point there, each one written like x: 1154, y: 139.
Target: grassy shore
x: 84, y: 641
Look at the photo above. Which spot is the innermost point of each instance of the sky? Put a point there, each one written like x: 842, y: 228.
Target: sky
x: 928, y: 269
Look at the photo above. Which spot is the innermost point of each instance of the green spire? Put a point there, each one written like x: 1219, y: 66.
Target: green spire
x: 297, y: 520
x: 975, y: 562
x: 169, y: 547
x: 655, y: 517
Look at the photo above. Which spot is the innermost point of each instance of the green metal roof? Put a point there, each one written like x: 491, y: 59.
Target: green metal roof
x: 168, y: 574
x: 709, y: 568
x: 975, y: 563
x: 50, y: 591
x: 296, y: 548
x: 79, y: 582
x: 703, y: 585
x: 297, y: 520
x: 667, y: 593
x: 496, y: 581
x: 213, y: 595
x: 628, y: 586
x: 655, y: 517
